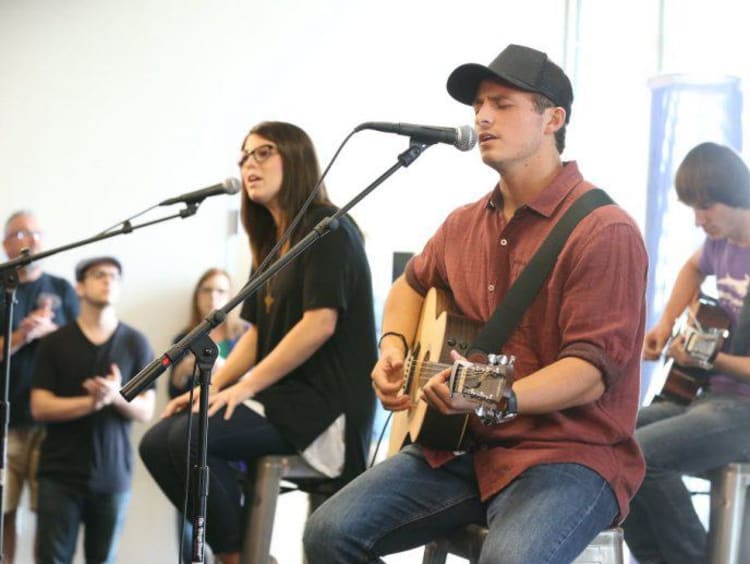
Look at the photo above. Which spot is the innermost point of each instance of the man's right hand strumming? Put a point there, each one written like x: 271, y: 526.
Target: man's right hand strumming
x: 388, y: 379
x: 655, y: 341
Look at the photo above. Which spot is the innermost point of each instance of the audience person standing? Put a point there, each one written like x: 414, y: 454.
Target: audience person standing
x: 86, y: 461
x: 43, y: 303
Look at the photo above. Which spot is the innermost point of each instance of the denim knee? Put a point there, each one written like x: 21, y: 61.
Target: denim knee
x: 326, y: 535
x: 318, y: 533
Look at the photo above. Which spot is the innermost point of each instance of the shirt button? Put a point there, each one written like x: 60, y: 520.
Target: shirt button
x: 503, y: 242
x: 491, y: 287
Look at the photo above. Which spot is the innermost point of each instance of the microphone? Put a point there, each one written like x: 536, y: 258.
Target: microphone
x: 463, y: 138
x: 229, y: 186
x: 151, y: 372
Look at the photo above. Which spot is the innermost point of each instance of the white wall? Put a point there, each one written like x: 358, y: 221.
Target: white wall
x: 107, y: 107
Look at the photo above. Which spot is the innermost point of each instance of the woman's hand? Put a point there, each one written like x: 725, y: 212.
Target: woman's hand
x: 230, y: 397
x: 176, y: 405
x: 181, y: 402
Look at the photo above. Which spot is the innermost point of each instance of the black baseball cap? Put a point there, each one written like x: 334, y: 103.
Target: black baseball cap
x: 85, y: 264
x: 522, y: 67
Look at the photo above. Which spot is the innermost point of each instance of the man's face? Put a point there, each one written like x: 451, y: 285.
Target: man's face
x: 718, y: 220
x: 100, y: 286
x: 22, y: 232
x: 509, y: 127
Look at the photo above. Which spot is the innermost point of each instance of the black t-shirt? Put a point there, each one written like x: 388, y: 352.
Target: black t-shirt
x: 29, y: 296
x: 93, y: 451
x: 332, y: 273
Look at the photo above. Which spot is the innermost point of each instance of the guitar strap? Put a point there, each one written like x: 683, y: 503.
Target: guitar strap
x: 741, y: 338
x: 499, y: 327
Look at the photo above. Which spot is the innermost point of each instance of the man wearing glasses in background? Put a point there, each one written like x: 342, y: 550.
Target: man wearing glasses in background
x: 86, y: 461
x: 43, y: 303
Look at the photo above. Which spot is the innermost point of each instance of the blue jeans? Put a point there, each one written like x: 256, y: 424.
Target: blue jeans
x: 709, y: 433
x: 548, y: 514
x: 62, y: 508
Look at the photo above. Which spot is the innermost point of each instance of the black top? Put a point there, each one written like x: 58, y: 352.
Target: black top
x: 29, y: 296
x: 332, y: 273
x: 93, y: 451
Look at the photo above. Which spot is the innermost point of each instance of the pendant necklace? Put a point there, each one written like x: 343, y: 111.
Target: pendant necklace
x: 268, y: 299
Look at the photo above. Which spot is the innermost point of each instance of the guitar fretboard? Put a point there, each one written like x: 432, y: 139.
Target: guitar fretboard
x: 424, y: 369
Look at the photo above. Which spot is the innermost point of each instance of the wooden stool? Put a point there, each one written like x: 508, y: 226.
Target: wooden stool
x: 728, y: 509
x: 467, y: 543
x: 261, y: 501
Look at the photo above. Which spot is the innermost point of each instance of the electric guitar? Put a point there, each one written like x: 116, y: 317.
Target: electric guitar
x: 705, y: 331
x: 442, y: 329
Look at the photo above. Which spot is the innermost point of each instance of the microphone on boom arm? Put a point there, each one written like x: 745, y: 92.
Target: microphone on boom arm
x: 229, y: 186
x: 463, y: 138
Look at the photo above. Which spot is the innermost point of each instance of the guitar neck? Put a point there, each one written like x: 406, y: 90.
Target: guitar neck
x: 425, y: 369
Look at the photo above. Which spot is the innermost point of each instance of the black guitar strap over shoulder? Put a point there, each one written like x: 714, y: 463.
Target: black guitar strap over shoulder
x: 499, y: 327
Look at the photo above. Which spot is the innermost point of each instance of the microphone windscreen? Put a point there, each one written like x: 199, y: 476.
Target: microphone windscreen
x: 466, y: 138
x: 232, y: 185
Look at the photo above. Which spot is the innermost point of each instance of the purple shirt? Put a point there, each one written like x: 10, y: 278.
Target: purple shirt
x: 730, y: 264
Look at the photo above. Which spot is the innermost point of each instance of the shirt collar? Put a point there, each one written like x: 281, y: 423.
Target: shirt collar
x: 551, y: 197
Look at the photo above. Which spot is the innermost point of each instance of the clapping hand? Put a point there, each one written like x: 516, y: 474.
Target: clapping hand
x: 104, y: 389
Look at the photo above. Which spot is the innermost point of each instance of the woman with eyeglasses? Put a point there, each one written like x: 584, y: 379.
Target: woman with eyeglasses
x: 298, y: 380
x: 211, y: 292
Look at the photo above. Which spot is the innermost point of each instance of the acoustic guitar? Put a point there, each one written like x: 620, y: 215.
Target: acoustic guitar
x: 442, y: 329
x: 706, y: 329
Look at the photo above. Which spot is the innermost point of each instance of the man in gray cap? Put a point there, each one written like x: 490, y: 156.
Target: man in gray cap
x: 86, y: 461
x: 556, y: 462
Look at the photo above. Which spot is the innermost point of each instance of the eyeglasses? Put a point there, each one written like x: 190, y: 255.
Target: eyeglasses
x: 22, y: 234
x: 261, y: 154
x: 211, y: 290
x: 100, y: 274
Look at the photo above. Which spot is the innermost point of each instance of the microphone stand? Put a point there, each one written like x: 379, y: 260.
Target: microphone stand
x: 145, y: 377
x: 9, y: 280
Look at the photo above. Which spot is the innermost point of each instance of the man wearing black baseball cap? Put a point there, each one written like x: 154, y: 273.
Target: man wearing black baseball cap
x: 553, y: 460
x: 86, y: 461
x: 84, y: 265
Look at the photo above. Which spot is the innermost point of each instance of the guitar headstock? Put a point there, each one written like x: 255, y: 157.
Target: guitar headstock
x: 705, y: 331
x: 483, y: 382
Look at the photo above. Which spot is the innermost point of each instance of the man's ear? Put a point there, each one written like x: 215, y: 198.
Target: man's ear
x: 555, y: 119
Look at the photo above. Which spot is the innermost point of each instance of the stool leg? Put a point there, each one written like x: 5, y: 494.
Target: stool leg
x: 726, y: 527
x: 262, y: 510
x: 435, y: 553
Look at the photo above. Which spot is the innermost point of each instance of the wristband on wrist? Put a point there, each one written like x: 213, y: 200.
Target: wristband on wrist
x: 511, y: 405
x: 395, y: 334
x: 498, y: 411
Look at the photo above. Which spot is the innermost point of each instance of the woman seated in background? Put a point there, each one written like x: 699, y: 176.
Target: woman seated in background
x: 213, y: 290
x: 309, y: 347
